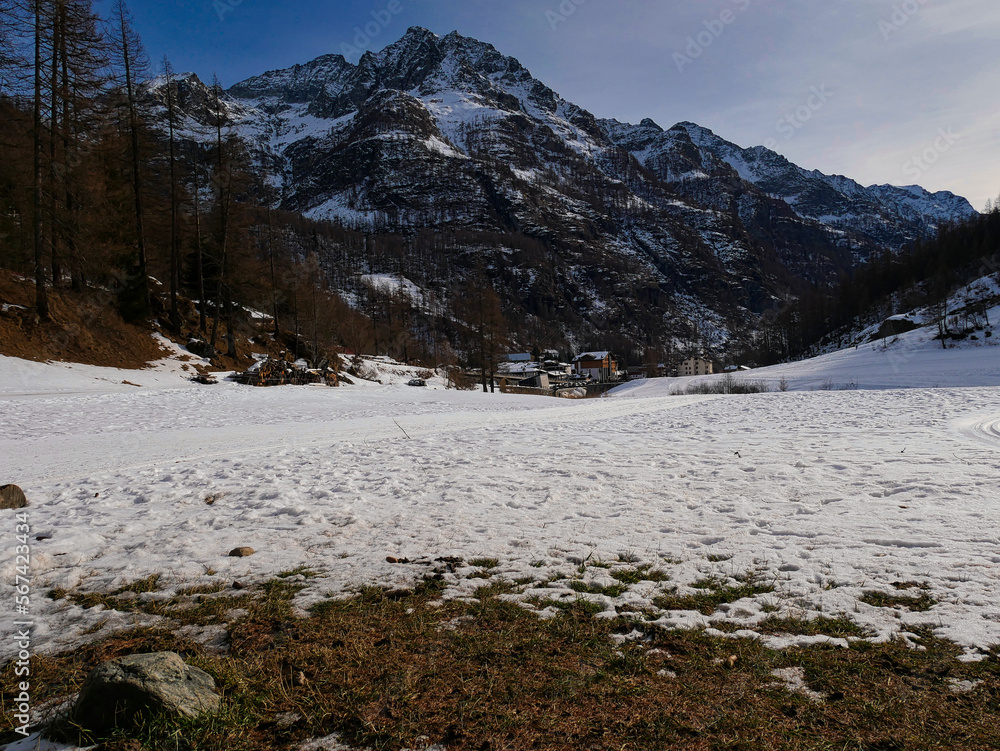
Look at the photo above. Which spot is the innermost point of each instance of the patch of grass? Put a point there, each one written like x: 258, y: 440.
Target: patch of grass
x: 303, y: 571
x: 494, y: 588
x: 639, y: 574
x: 919, y: 604
x: 609, y: 590
x: 150, y: 584
x: 118, y: 599
x: 719, y: 558
x: 837, y: 627
x: 576, y: 605
x: 714, y: 592
x: 211, y: 602
x: 486, y: 563
x: 201, y: 589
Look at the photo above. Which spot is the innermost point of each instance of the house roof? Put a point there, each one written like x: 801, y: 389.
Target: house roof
x: 592, y: 356
x: 518, y: 368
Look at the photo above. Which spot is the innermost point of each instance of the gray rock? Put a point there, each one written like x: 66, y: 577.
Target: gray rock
x: 122, y: 691
x: 12, y: 496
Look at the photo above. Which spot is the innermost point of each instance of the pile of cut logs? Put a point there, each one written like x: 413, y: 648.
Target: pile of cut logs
x: 278, y: 372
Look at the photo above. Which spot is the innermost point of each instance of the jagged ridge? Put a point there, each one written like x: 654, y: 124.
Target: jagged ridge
x: 447, y: 132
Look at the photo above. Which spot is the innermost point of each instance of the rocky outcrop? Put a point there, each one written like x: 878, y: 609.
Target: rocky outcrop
x: 121, y: 692
x: 600, y: 225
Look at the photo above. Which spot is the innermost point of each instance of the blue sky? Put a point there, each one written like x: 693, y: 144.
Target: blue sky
x: 883, y: 91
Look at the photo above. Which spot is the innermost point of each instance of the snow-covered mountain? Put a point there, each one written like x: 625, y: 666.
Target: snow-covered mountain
x: 701, y: 165
x: 641, y: 223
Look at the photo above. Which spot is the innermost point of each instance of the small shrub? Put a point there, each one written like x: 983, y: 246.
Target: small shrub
x: 728, y: 384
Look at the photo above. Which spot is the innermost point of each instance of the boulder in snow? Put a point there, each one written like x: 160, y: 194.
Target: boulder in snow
x: 894, y: 327
x: 12, y: 496
x: 120, y: 692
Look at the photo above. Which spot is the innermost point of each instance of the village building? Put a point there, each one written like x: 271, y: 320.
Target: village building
x: 520, y: 373
x: 599, y: 366
x: 696, y: 366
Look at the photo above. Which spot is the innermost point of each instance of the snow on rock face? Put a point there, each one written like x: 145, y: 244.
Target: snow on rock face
x: 825, y: 495
x: 895, y: 215
x: 446, y: 131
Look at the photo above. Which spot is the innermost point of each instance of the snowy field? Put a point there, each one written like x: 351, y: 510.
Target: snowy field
x: 826, y: 492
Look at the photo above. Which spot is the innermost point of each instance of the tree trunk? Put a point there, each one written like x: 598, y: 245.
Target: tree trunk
x: 71, y: 137
x: 199, y: 260
x: 54, y: 224
x: 41, y: 298
x: 175, y: 263
x: 133, y: 125
x: 274, y: 285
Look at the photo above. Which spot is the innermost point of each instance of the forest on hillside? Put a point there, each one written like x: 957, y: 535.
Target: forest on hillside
x: 921, y: 275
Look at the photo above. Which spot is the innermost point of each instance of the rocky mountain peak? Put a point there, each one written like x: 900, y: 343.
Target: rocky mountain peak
x: 447, y: 132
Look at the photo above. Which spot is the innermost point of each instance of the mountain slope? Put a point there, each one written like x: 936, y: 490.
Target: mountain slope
x: 644, y: 232
x: 705, y: 167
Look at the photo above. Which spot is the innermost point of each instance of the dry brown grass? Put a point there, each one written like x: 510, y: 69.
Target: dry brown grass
x: 388, y: 669
x: 84, y: 328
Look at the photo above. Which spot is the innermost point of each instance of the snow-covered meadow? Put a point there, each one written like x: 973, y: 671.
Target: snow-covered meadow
x: 876, y: 467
